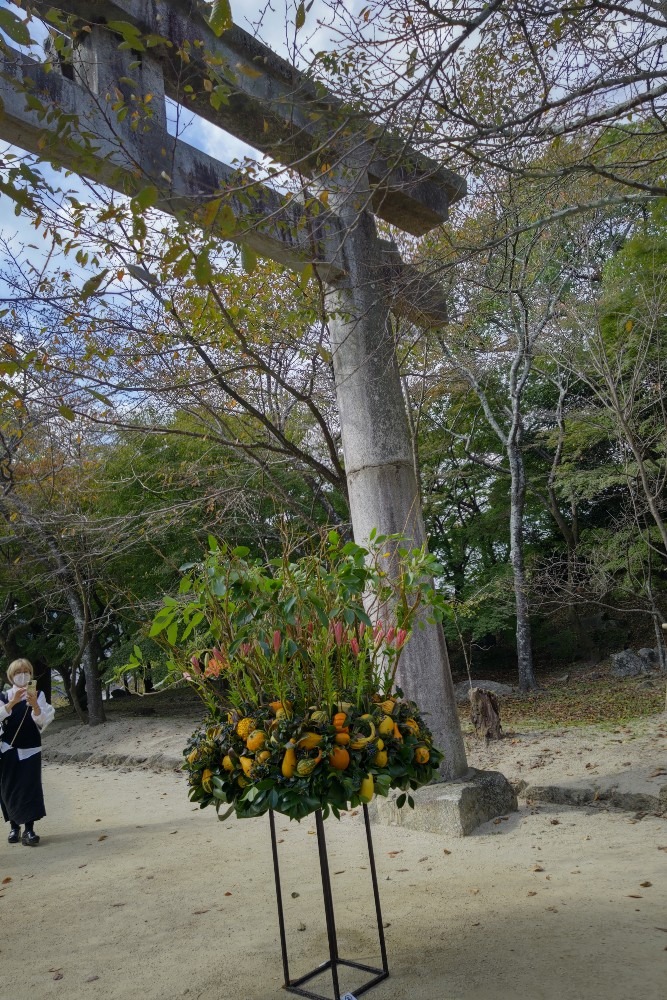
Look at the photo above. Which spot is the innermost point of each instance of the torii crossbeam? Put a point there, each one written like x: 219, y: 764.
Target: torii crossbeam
x: 126, y: 51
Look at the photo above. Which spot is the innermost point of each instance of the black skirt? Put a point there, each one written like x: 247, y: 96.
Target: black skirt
x: 21, y: 795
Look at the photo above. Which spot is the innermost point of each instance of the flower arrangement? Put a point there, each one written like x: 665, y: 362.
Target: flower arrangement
x: 296, y: 662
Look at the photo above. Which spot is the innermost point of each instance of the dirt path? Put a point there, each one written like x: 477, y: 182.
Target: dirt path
x: 133, y: 893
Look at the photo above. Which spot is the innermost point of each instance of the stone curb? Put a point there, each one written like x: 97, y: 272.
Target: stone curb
x: 567, y: 795
x: 154, y: 762
x: 595, y: 795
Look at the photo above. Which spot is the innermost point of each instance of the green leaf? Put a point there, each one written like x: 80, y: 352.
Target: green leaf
x: 221, y: 17
x: 248, y: 259
x: 144, y: 199
x: 300, y: 15
x: 91, y: 286
x: 14, y: 27
x: 67, y: 412
x: 203, y: 271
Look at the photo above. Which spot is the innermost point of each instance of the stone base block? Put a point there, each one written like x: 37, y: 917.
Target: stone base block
x: 452, y: 808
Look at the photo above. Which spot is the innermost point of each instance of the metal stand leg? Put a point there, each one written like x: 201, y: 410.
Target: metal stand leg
x: 295, y: 985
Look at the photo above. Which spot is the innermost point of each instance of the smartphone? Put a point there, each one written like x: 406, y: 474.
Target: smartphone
x: 32, y: 687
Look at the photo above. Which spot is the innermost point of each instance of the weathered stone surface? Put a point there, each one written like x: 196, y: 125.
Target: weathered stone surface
x: 452, y: 808
x: 650, y: 656
x: 462, y: 689
x: 628, y: 664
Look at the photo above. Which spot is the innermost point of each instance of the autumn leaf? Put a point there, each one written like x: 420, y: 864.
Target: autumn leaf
x: 221, y: 17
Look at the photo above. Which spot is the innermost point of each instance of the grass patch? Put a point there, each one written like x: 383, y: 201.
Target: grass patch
x: 582, y: 702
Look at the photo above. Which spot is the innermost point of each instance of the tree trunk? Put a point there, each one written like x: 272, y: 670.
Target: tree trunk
x: 524, y: 648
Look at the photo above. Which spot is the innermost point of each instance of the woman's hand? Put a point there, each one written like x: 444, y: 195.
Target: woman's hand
x: 17, y: 697
x: 31, y: 698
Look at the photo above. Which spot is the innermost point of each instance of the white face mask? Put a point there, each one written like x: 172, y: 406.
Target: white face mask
x: 22, y: 680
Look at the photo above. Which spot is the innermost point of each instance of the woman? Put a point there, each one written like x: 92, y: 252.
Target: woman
x: 23, y: 715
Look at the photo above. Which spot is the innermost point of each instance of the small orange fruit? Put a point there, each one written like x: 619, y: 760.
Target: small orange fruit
x: 256, y: 740
x: 422, y: 755
x: 342, y: 738
x: 339, y: 758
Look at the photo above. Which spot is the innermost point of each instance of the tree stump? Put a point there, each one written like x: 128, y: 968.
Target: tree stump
x: 485, y: 714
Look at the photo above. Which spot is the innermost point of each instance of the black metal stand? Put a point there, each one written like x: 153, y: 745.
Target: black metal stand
x: 334, y: 961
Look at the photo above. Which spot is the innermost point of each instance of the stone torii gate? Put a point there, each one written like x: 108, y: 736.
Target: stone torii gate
x: 170, y: 51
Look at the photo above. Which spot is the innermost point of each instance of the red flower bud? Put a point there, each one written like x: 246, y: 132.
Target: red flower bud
x: 401, y: 636
x: 276, y: 640
x: 354, y: 645
x: 338, y: 633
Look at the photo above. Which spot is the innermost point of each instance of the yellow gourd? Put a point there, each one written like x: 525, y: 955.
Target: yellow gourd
x: 309, y: 741
x: 386, y: 727
x: 367, y: 789
x: 289, y: 763
x: 227, y: 763
x: 380, y: 758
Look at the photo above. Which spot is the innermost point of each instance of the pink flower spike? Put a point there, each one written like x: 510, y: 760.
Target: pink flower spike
x: 217, y: 655
x: 276, y: 640
x: 361, y: 629
x: 354, y: 645
x: 378, y: 633
x: 194, y: 660
x: 338, y: 633
x: 389, y: 638
x: 401, y: 636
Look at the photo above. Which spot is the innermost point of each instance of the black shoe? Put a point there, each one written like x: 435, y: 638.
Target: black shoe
x: 14, y: 835
x: 29, y: 838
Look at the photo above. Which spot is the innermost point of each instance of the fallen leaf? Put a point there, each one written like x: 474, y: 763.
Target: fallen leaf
x: 445, y: 851
x: 228, y: 894
x: 58, y: 975
x: 662, y: 929
x: 295, y: 895
x: 403, y: 869
x: 198, y: 912
x: 555, y: 822
x: 118, y: 904
x: 173, y: 831
x: 91, y: 979
x: 473, y: 892
x: 392, y: 854
x: 657, y: 772
x: 537, y: 868
x: 102, y: 836
x: 422, y: 859
x: 634, y: 895
x: 301, y: 927
x: 662, y: 847
x: 531, y: 893
x: 645, y: 885
x: 552, y: 909
x: 7, y: 879
x: 83, y: 866
x: 342, y: 872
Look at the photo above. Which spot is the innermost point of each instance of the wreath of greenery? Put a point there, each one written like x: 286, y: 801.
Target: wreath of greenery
x: 296, y: 760
x: 296, y: 661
